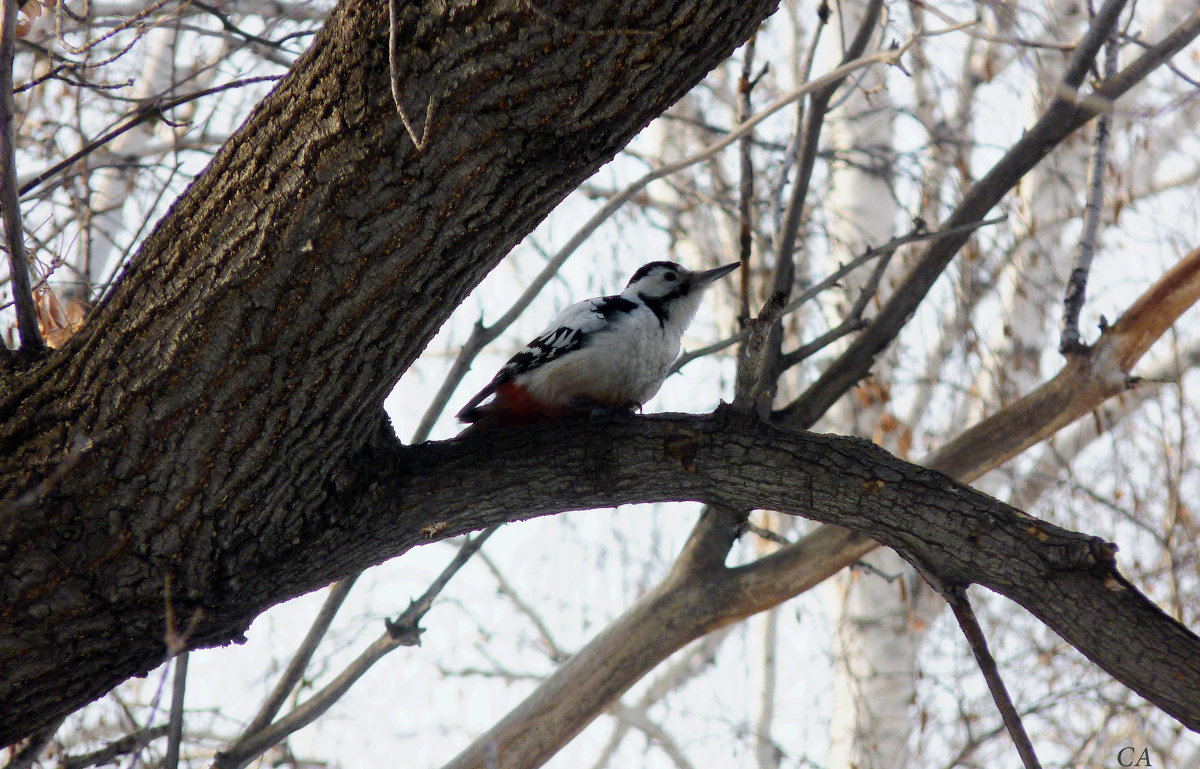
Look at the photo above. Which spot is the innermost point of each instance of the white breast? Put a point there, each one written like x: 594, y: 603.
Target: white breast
x: 626, y: 361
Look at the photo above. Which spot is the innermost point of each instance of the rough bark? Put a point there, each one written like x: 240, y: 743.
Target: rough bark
x: 955, y: 535
x: 193, y: 444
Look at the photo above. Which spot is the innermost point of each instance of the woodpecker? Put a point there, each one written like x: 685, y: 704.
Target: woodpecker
x: 607, y: 353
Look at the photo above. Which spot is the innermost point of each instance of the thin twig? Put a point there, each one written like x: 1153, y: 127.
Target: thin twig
x: 137, y: 117
x: 890, y: 56
x: 130, y: 743
x: 1076, y: 293
x: 762, y: 532
x: 640, y: 719
x: 557, y: 655
x: 957, y: 598
x: 421, y: 141
x: 175, y: 720
x: 134, y: 22
x: 79, y: 445
x: 27, y: 756
x: 745, y: 86
x: 670, y: 677
x: 792, y: 152
x: 852, y: 321
x: 832, y: 279
x: 785, y: 238
x: 18, y: 261
x: 1020, y: 42
x: 404, y: 631
x: 750, y: 357
x: 303, y: 655
x: 1064, y: 115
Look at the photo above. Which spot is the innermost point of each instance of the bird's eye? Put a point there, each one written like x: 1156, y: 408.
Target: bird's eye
x: 670, y: 277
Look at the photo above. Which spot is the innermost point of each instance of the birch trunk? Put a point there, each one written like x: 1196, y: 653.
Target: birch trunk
x: 874, y: 642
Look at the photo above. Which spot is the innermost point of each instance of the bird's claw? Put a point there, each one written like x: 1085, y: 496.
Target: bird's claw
x: 598, y: 410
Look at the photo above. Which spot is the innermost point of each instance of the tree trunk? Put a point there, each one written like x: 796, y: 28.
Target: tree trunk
x: 167, y: 473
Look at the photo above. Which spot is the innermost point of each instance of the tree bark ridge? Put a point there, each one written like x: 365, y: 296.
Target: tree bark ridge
x: 202, y: 427
x: 958, y: 535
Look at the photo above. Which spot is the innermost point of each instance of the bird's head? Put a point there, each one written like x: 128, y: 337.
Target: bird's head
x: 665, y: 281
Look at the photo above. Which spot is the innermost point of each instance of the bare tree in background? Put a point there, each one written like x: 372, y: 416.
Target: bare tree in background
x: 208, y: 441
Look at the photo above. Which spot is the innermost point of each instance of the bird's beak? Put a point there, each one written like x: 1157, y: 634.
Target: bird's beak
x: 708, y: 276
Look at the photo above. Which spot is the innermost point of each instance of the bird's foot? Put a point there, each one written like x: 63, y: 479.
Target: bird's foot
x: 597, y: 410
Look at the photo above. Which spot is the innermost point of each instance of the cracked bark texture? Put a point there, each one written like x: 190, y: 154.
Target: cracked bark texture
x: 195, y: 451
x: 954, y: 534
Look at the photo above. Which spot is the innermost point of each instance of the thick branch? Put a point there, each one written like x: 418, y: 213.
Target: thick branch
x: 1067, y: 580
x: 1082, y: 385
x: 224, y: 384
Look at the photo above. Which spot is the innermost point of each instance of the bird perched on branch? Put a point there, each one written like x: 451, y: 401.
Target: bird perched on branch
x: 610, y: 353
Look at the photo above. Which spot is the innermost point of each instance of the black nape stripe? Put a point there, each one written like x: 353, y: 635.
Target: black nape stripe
x: 608, y: 306
x: 659, y: 306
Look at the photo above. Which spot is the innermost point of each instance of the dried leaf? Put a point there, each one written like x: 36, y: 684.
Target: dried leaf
x: 50, y: 313
x: 58, y: 325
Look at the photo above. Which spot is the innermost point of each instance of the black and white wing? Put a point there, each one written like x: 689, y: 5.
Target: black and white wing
x: 570, y: 330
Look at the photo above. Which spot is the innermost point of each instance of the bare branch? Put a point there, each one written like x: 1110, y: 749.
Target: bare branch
x: 133, y: 22
x: 10, y: 207
x: 828, y: 282
x: 1081, y: 60
x: 853, y: 320
x: 1060, y: 120
x: 146, y: 112
x: 957, y: 598
x: 555, y: 651
x: 27, y: 756
x: 714, y: 597
x: 880, y: 500
x: 639, y: 718
x: 1076, y: 292
x: 483, y: 335
x: 303, y: 655
x: 404, y: 631
x: 130, y: 743
x: 79, y: 446
x: 1082, y: 385
x: 785, y: 239
x: 763, y: 532
x: 1019, y: 42
x: 792, y: 152
x: 682, y: 668
x: 749, y: 379
x: 746, y: 180
x: 175, y: 720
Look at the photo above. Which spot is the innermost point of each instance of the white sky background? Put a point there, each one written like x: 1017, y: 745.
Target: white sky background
x: 579, y: 570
